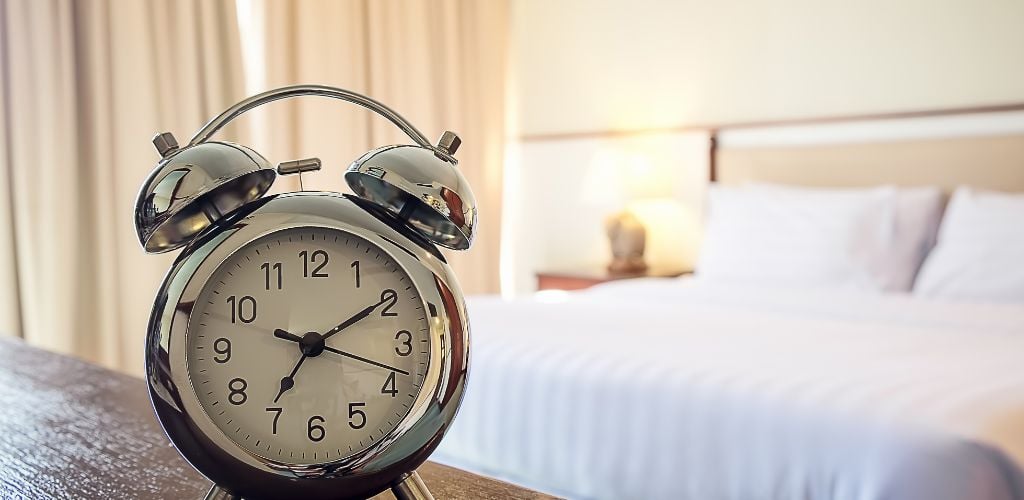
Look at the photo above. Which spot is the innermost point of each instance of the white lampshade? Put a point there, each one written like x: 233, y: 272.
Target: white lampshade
x: 616, y: 177
x: 673, y: 231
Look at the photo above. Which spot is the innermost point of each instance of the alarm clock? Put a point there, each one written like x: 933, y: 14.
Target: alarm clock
x: 307, y: 344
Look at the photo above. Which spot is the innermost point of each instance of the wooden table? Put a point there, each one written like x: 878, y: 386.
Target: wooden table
x: 578, y: 279
x: 70, y: 429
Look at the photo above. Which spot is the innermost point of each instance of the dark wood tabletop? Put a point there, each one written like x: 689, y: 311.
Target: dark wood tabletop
x: 70, y: 429
x: 586, y: 277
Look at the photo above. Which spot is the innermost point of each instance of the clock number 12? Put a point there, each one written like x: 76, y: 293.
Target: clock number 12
x: 312, y: 258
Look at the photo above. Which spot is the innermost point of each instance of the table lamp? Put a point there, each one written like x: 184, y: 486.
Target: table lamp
x: 615, y: 179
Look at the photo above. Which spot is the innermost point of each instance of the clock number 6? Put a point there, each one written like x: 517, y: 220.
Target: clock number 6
x: 315, y: 432
x: 354, y: 411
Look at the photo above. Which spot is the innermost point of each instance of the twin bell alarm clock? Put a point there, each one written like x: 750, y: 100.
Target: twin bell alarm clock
x: 307, y: 344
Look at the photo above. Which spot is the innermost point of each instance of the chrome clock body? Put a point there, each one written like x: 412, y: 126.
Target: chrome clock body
x: 208, y: 198
x: 386, y: 462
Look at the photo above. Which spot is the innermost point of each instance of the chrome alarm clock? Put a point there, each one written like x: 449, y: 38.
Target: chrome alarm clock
x: 307, y: 344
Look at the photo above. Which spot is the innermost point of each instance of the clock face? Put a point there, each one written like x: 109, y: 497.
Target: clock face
x: 307, y: 345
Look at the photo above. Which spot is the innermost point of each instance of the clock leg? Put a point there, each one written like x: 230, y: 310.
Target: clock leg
x: 218, y: 493
x: 411, y: 487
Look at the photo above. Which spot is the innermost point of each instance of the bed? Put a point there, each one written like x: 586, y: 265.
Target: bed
x: 752, y: 395
x: 697, y: 389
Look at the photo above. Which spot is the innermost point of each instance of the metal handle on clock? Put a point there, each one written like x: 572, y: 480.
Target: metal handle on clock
x: 257, y: 100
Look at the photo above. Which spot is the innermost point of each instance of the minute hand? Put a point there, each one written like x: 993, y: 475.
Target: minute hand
x: 351, y: 321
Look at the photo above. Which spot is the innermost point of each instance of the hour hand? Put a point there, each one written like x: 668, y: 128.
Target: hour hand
x: 289, y: 380
x: 286, y: 384
x: 283, y: 334
x: 351, y: 321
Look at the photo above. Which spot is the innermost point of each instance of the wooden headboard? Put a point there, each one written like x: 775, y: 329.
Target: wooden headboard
x: 982, y: 147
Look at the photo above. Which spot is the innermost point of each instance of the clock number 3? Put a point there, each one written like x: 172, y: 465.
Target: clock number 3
x: 405, y: 348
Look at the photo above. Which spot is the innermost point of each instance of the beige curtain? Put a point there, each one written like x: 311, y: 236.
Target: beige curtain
x: 85, y: 85
x: 441, y: 64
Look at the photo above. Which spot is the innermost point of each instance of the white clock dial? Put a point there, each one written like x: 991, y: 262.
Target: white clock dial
x: 308, y: 345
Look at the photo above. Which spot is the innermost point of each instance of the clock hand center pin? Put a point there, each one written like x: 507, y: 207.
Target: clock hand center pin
x: 311, y: 344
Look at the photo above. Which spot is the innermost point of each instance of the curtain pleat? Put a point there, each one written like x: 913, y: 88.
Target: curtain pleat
x: 441, y: 64
x: 87, y: 85
x: 10, y: 302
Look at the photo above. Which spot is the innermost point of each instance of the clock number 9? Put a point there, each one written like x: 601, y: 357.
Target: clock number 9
x: 314, y: 431
x: 354, y: 411
x: 312, y: 258
x: 407, y: 343
x: 236, y: 394
x: 222, y: 346
x: 238, y: 309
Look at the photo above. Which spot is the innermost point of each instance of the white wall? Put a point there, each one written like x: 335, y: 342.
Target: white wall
x: 602, y: 65
x: 626, y: 64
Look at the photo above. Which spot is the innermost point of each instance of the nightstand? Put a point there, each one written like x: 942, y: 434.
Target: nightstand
x: 585, y: 278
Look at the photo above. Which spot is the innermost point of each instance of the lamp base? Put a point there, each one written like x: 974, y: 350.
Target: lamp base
x: 627, y: 266
x: 627, y: 239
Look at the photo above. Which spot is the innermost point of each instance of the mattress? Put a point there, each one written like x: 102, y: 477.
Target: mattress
x: 683, y: 389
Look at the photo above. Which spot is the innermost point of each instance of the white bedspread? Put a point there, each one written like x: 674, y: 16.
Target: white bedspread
x: 678, y: 389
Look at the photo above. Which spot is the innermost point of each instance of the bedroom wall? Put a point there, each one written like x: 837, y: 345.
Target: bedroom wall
x: 613, y: 64
x: 629, y: 66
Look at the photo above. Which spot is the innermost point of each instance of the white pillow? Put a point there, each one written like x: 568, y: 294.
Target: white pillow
x: 916, y: 224
x: 918, y: 214
x: 980, y: 251
x: 777, y: 237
